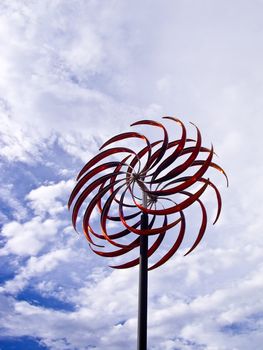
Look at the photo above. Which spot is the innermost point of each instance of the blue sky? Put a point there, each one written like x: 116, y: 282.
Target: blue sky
x: 74, y: 73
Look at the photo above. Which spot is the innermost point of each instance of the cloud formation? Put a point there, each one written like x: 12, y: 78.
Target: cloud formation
x: 73, y: 74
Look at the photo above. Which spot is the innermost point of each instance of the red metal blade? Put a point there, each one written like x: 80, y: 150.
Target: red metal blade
x: 175, y: 246
x: 169, y: 160
x: 203, y: 225
x: 103, y: 155
x: 191, y: 180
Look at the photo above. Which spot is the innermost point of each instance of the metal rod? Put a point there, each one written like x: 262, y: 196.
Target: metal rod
x: 143, y: 284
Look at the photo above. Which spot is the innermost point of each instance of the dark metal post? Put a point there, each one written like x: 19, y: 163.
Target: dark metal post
x: 143, y: 287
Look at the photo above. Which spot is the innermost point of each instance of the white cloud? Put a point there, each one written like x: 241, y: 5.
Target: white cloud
x: 173, y: 321
x: 36, y: 266
x: 18, y: 142
x: 29, y: 238
x: 50, y: 199
x: 60, y: 64
x: 8, y: 197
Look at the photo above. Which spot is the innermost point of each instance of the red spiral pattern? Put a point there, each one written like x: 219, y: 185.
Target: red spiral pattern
x: 163, y: 172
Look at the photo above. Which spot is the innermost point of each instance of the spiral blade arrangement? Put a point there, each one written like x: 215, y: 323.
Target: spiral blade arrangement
x: 170, y: 173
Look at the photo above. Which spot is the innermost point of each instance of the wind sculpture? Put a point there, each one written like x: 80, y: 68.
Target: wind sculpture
x: 141, y: 194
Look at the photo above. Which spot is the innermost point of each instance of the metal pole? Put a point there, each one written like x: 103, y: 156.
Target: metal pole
x: 143, y: 285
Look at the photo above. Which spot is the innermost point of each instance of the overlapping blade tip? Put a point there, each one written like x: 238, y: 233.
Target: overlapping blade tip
x: 102, y: 155
x: 84, y: 180
x: 203, y: 224
x: 174, y: 247
x: 182, y: 167
x: 86, y: 192
x: 165, y: 141
x: 169, y: 160
x: 189, y: 182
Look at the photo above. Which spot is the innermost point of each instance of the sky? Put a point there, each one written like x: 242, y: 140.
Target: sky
x: 73, y: 74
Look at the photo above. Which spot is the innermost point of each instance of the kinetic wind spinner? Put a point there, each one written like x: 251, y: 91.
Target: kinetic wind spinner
x: 150, y: 173
x: 144, y: 193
